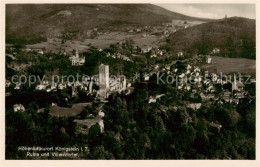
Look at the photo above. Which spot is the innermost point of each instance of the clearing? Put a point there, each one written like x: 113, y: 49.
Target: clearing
x: 231, y: 65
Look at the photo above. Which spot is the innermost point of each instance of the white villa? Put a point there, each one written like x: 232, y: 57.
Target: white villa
x: 208, y: 59
x: 77, y: 60
x: 18, y: 107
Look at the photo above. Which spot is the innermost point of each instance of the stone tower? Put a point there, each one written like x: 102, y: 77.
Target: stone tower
x: 103, y: 76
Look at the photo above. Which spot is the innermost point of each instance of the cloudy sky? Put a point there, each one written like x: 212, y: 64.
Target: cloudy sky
x: 214, y: 11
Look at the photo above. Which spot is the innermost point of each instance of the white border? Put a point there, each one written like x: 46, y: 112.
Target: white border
x: 149, y: 163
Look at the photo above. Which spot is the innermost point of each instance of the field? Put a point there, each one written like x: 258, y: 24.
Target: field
x: 186, y: 22
x: 101, y: 41
x: 151, y: 40
x: 231, y: 65
x: 105, y: 38
x: 66, y: 112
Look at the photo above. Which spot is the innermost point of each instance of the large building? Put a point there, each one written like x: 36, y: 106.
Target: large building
x: 109, y: 85
x: 104, y: 76
x: 77, y: 60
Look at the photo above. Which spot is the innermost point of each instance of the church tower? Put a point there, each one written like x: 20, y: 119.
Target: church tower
x: 234, y: 84
x: 77, y: 53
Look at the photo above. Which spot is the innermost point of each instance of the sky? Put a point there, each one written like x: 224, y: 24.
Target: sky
x: 213, y: 11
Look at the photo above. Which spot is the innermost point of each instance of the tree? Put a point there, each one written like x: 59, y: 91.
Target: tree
x: 202, y: 141
x: 94, y: 136
x: 227, y: 115
x: 85, y: 112
x: 32, y: 108
x: 100, y: 153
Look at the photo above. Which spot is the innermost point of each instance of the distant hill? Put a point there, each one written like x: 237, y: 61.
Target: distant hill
x: 235, y: 37
x: 34, y: 22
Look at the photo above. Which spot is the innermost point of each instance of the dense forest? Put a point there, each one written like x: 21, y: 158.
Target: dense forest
x: 136, y: 129
x: 235, y: 37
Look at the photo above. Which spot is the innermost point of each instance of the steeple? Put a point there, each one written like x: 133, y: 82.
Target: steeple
x: 235, y: 80
x: 77, y: 53
x: 234, y: 84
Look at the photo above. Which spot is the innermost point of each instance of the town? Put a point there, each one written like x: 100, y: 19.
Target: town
x: 210, y: 87
x: 132, y: 81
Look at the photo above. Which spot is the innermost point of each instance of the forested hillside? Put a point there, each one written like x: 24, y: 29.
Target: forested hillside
x: 234, y: 36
